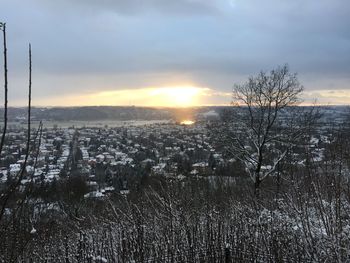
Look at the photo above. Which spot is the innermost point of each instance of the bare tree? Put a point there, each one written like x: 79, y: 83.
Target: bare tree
x: 264, y: 124
x: 3, y: 29
x: 7, y: 193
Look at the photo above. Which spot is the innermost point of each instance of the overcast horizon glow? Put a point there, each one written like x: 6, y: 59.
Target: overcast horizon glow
x: 172, y: 53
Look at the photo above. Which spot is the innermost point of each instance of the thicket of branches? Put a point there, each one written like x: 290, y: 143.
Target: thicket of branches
x: 175, y: 222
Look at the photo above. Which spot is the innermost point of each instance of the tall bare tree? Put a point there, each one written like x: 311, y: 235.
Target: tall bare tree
x: 3, y: 29
x: 264, y: 123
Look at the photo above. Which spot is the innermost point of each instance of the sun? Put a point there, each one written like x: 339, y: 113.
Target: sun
x: 162, y: 96
x: 183, y: 96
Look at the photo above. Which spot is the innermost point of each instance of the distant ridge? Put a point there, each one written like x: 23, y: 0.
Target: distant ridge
x: 93, y: 113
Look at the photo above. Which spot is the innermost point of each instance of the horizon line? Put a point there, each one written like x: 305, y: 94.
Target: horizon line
x: 167, y: 107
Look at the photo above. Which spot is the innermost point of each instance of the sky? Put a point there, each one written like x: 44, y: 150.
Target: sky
x: 172, y: 52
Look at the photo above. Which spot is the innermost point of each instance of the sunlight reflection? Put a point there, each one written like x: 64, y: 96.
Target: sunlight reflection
x: 187, y: 122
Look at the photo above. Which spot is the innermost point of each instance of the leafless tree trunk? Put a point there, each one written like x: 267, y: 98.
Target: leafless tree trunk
x: 3, y: 29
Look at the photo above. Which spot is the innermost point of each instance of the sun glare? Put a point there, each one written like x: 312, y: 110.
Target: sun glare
x: 176, y: 96
x: 187, y: 122
x: 172, y: 96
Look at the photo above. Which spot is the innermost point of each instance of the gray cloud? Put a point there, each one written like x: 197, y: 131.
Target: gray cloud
x: 135, y: 7
x: 94, y: 45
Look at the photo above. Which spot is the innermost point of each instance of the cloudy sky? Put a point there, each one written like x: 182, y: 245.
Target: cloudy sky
x: 173, y: 52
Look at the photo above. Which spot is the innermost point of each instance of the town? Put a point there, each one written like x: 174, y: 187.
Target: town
x: 111, y: 159
x: 108, y: 158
